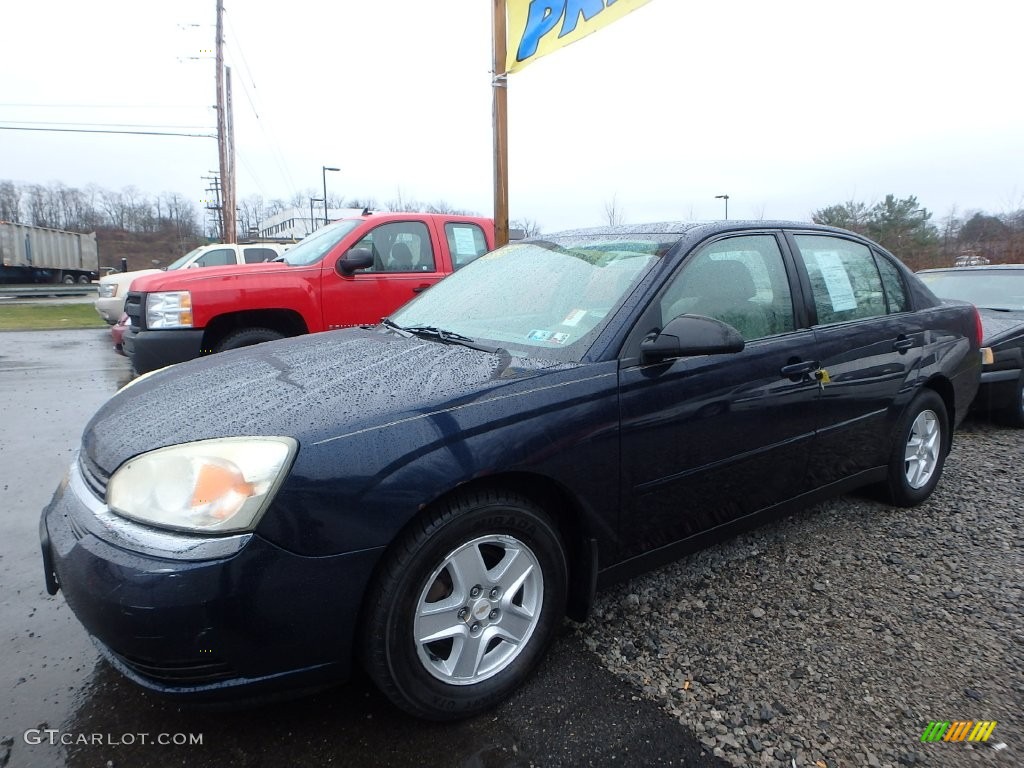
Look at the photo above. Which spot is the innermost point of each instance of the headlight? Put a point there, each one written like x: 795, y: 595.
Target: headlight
x: 108, y: 290
x: 172, y: 309
x: 210, y: 486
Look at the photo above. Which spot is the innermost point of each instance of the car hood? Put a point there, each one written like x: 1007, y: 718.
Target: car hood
x: 181, y: 279
x: 312, y: 388
x: 997, y: 325
x: 127, y: 278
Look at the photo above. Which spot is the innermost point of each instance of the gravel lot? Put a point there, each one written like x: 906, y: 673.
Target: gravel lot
x: 834, y: 636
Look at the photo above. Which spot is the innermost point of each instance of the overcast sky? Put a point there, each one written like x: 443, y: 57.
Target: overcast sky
x: 786, y: 106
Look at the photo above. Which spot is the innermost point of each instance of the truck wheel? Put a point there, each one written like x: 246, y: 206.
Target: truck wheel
x: 246, y: 338
x: 84, y: 279
x: 68, y: 279
x: 464, y: 605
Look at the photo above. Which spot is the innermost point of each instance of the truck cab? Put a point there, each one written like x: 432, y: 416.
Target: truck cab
x: 352, y: 272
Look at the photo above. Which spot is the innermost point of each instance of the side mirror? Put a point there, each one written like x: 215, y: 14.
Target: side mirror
x: 357, y: 258
x: 689, y: 336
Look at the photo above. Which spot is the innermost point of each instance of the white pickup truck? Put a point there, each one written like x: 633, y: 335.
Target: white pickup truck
x: 114, y: 287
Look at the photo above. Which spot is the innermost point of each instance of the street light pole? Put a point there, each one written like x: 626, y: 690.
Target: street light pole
x: 325, y: 170
x: 311, y: 201
x: 726, y: 198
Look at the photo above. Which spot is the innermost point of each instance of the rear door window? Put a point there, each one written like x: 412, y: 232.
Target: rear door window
x: 256, y: 255
x: 466, y: 242
x: 892, y: 281
x: 218, y: 257
x: 844, y: 279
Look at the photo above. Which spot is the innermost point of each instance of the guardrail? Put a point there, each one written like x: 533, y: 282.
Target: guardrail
x: 49, y: 289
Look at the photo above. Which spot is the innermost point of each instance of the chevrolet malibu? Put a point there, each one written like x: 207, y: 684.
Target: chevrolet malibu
x: 427, y: 498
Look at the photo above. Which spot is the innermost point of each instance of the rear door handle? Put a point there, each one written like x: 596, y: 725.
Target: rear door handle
x: 902, y: 344
x: 795, y: 370
x: 420, y: 288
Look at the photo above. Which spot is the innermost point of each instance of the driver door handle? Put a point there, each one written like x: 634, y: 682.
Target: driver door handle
x: 799, y: 369
x: 902, y: 344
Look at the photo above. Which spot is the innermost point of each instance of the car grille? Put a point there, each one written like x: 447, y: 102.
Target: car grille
x: 179, y: 673
x: 133, y: 307
x: 93, y: 475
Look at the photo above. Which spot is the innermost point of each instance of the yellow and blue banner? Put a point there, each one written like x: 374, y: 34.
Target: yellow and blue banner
x: 539, y: 27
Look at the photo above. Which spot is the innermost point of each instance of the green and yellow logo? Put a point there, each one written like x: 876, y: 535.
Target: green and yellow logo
x: 958, y: 730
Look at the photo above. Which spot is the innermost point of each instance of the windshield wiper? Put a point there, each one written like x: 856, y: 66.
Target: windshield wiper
x: 387, y: 322
x: 451, y: 337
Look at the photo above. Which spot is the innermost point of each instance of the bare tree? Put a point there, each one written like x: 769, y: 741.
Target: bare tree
x: 251, y: 213
x: 10, y: 202
x: 613, y: 212
x: 367, y: 203
x: 529, y: 227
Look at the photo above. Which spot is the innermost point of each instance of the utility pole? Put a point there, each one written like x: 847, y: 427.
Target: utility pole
x: 216, y: 207
x: 499, y: 87
x: 231, y: 217
x: 226, y: 177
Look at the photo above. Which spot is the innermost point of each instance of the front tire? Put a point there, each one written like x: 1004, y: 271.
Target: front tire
x: 919, y: 450
x: 464, y: 605
x: 246, y: 338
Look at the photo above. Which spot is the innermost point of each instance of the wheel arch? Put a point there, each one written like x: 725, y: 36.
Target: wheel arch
x: 569, y: 516
x: 943, y: 387
x: 285, y: 321
x: 566, y: 513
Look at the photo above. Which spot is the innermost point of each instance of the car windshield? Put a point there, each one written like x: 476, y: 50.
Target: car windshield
x: 544, y: 298
x: 314, y: 247
x: 179, y: 263
x: 987, y: 288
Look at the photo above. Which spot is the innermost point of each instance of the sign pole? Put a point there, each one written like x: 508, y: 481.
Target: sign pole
x: 499, y: 86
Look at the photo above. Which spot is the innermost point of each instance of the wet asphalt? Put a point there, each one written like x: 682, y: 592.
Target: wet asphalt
x: 60, y: 705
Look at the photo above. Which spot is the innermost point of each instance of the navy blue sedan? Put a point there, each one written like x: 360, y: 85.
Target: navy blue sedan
x: 429, y: 497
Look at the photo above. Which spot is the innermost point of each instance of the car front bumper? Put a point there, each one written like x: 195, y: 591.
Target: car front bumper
x: 150, y: 350
x: 202, y: 617
x: 110, y: 308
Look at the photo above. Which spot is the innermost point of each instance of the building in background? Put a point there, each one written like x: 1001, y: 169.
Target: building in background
x: 296, y: 223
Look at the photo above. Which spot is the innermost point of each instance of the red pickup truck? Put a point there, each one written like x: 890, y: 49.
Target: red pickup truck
x: 351, y: 272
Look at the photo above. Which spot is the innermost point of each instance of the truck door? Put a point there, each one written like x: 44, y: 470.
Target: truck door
x: 406, y: 261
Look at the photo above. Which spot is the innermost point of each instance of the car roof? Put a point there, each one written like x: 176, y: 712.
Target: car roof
x: 683, y: 228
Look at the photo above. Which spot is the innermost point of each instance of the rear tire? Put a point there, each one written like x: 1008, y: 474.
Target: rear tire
x: 464, y: 605
x: 246, y: 338
x: 68, y: 279
x: 919, y: 450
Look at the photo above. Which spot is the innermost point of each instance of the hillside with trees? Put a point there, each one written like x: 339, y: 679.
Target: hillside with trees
x: 906, y: 228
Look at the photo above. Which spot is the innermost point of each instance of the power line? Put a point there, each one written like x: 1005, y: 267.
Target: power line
x: 89, y: 130
x: 106, y: 125
x: 109, y: 106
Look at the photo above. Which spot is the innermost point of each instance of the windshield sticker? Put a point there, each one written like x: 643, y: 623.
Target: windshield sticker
x: 465, y: 245
x: 539, y: 335
x: 840, y: 292
x: 574, y: 317
x: 560, y: 338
